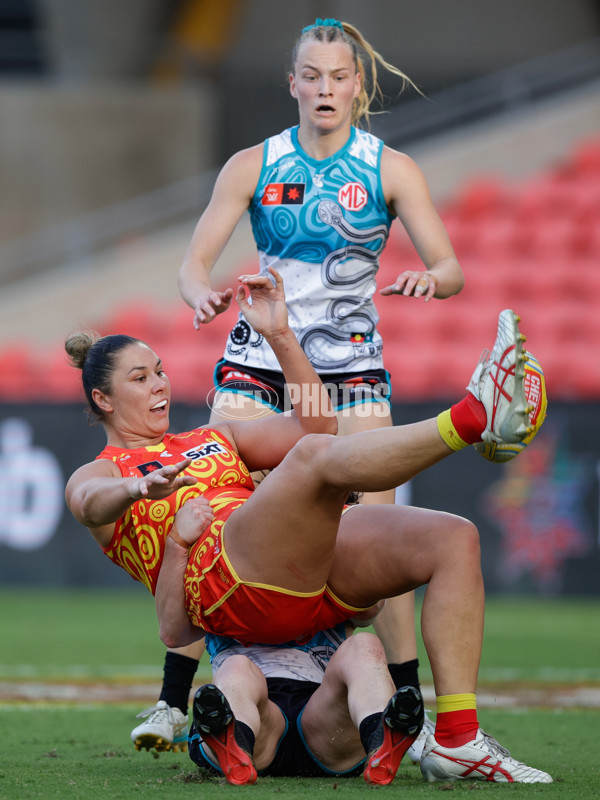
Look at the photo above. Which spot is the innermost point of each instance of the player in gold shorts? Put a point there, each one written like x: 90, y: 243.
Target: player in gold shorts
x: 290, y: 541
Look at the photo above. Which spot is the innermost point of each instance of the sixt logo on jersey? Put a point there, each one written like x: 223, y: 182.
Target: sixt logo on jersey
x: 284, y: 194
x: 209, y: 449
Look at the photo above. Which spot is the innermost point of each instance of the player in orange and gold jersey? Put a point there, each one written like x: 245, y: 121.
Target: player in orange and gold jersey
x: 287, y: 562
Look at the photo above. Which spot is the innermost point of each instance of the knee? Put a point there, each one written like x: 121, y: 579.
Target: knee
x: 235, y: 668
x: 239, y: 670
x: 362, y: 647
x: 313, y: 449
x: 464, y: 540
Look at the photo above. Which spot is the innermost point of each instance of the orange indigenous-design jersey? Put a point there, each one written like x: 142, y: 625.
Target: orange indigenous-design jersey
x: 138, y: 542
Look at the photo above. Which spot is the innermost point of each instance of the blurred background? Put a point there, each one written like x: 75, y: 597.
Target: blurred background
x: 115, y: 118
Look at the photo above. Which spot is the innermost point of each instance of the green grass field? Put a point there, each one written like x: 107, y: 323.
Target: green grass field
x: 81, y: 749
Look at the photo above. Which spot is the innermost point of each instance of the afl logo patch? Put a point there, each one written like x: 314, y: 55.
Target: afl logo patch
x: 283, y: 194
x: 353, y: 196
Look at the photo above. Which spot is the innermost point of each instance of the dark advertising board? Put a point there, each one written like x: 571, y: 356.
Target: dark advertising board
x: 537, y: 515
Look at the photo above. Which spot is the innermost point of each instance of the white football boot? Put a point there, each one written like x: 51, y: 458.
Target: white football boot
x: 481, y: 759
x: 498, y: 381
x: 165, y: 728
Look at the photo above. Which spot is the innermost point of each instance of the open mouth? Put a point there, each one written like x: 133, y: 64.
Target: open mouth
x: 160, y: 405
x: 325, y: 109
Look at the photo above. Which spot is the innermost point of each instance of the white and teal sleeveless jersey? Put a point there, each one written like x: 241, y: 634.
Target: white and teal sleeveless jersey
x: 304, y: 662
x: 322, y: 225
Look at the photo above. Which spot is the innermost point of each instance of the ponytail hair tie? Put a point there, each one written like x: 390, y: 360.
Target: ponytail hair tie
x: 323, y: 23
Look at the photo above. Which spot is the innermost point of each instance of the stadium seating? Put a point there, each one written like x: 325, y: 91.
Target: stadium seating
x: 18, y: 370
x: 533, y: 246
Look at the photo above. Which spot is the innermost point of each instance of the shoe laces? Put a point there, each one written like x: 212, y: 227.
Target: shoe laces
x: 495, y: 746
x: 157, y: 713
x: 473, y: 386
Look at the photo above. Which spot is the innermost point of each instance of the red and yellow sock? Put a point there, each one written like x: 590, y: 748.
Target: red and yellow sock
x: 463, y: 423
x: 456, y: 721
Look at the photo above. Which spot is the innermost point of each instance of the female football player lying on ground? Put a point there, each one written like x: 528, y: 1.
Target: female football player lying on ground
x: 303, y: 710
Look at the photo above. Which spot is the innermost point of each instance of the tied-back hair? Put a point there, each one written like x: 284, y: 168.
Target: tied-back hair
x: 366, y: 59
x: 95, y: 356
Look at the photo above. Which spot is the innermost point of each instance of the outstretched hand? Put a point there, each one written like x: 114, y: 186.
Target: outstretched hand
x: 162, y: 482
x: 264, y: 306
x: 210, y: 304
x: 412, y: 283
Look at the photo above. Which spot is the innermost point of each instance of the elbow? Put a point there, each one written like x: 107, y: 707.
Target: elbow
x: 84, y: 514
x: 77, y: 505
x: 181, y: 278
x: 90, y: 508
x: 171, y: 638
x: 450, y: 278
x: 179, y: 635
x: 460, y: 283
x: 165, y: 638
x: 450, y: 289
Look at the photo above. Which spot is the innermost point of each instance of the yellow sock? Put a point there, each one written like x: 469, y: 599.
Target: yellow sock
x: 448, y: 431
x: 455, y: 702
x: 456, y: 722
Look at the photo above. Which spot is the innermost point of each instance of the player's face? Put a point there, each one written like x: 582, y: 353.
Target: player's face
x: 140, y: 395
x: 325, y: 83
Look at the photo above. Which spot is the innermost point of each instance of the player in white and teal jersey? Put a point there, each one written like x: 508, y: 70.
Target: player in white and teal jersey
x: 322, y: 196
x: 322, y: 224
x: 324, y: 708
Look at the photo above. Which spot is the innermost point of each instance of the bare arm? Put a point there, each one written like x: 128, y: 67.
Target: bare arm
x: 175, y: 627
x: 98, y: 495
x: 407, y: 193
x: 231, y: 196
x: 263, y: 443
x: 268, y: 315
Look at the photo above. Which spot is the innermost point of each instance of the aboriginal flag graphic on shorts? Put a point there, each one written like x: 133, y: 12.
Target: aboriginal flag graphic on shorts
x: 283, y: 194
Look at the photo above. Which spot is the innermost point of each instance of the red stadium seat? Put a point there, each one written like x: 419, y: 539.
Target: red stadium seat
x: 551, y: 238
x: 462, y: 231
x: 584, y: 375
x: 59, y: 381
x: 589, y: 236
x: 586, y: 157
x: 142, y: 319
x: 541, y: 198
x: 500, y: 235
x: 190, y: 369
x: 19, y: 371
x: 484, y: 196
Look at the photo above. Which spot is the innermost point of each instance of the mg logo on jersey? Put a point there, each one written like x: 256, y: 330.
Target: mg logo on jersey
x: 353, y: 196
